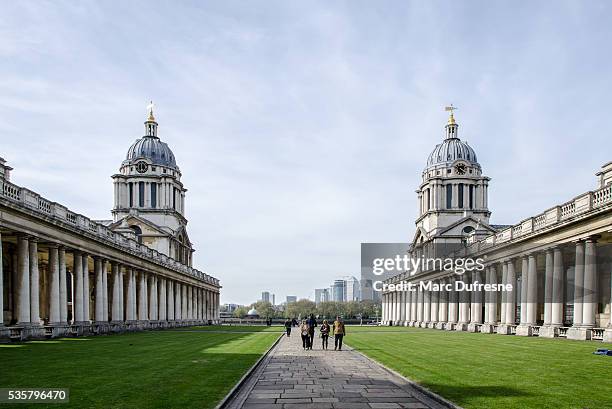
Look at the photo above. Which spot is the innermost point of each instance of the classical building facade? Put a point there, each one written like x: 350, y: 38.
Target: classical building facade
x: 558, y: 262
x: 65, y: 274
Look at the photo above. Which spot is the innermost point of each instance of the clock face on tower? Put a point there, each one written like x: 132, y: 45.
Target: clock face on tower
x: 460, y: 169
x: 141, y: 167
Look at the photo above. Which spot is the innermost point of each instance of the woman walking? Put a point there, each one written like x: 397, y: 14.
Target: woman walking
x: 339, y: 332
x: 325, y: 328
x: 305, y: 332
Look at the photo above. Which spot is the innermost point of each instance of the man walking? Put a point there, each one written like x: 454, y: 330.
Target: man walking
x: 339, y: 332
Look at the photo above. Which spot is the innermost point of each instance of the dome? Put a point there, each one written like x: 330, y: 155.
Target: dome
x: 151, y: 148
x: 252, y: 312
x: 451, y: 150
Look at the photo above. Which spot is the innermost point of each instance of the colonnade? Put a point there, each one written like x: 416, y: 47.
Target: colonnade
x: 69, y: 297
x: 523, y: 311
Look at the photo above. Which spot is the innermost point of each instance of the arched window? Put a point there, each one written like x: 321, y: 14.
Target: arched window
x: 138, y: 232
x: 449, y: 196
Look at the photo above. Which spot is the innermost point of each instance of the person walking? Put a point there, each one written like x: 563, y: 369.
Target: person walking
x: 325, y: 328
x: 305, y: 332
x: 288, y: 327
x: 339, y: 333
x: 312, y: 324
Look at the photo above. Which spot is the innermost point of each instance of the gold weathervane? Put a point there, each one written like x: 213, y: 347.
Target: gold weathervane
x: 150, y: 110
x: 451, y: 118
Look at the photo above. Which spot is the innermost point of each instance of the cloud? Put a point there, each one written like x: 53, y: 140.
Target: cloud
x: 302, y: 130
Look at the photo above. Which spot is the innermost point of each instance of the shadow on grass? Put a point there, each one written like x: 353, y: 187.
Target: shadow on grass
x: 142, y: 370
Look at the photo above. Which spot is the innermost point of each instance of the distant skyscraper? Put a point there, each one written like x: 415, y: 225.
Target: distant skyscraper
x: 321, y: 295
x: 265, y: 296
x: 352, y: 289
x: 291, y: 298
x: 338, y: 291
x: 273, y: 299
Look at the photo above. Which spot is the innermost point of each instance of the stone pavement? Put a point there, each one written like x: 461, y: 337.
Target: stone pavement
x: 293, y: 378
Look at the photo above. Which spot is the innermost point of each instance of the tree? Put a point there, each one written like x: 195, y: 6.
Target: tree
x: 330, y: 309
x: 265, y: 309
x: 241, y: 312
x: 301, y: 308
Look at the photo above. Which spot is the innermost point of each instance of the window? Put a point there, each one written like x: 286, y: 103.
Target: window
x: 141, y: 194
x: 468, y: 229
x: 448, y: 171
x: 131, y: 194
x: 449, y: 196
x: 137, y: 232
x: 154, y: 195
x: 174, y: 199
x: 471, y: 194
x: 428, y: 193
x: 460, y: 196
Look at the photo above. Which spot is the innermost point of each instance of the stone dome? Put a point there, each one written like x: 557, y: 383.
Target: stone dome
x: 153, y: 149
x: 451, y: 150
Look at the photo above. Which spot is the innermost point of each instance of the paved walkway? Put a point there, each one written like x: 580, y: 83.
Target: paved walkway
x: 293, y: 378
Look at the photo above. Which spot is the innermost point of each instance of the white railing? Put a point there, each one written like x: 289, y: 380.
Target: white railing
x: 513, y: 329
x: 597, y: 334
x: 563, y: 332
x: 535, y: 331
x: 579, y: 205
x: 33, y: 201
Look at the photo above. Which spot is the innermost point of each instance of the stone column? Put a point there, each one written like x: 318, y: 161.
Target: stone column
x: 154, y: 314
x: 504, y: 294
x: 170, y: 287
x: 557, y: 291
x: 524, y: 286
x: 63, y: 291
x: 492, y: 296
x: 131, y: 295
x: 143, y: 314
x: 532, y: 291
x: 419, y: 305
x: 434, y: 306
x: 426, y: 306
x: 452, y: 305
x: 86, y: 295
x: 117, y: 293
x: 589, y: 309
x: 443, y: 304
x: 163, y: 314
x: 77, y: 275
x: 578, y: 284
x: 122, y: 303
x: 476, y: 308
x: 184, y: 306
x: 23, y: 285
x: 151, y: 296
x: 548, y: 288
x: 401, y: 308
x: 511, y: 296
x: 178, y: 302
x: 105, y: 290
x: 54, y: 287
x: 99, y: 301
x: 34, y: 283
x: 464, y: 306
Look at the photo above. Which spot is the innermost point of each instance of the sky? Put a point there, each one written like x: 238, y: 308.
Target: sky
x: 302, y: 128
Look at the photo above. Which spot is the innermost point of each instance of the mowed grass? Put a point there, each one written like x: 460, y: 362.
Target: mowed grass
x: 157, y: 369
x: 235, y: 328
x: 488, y: 371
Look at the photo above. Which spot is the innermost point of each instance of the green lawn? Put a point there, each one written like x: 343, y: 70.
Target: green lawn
x: 493, y: 371
x: 156, y: 369
x: 234, y: 328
